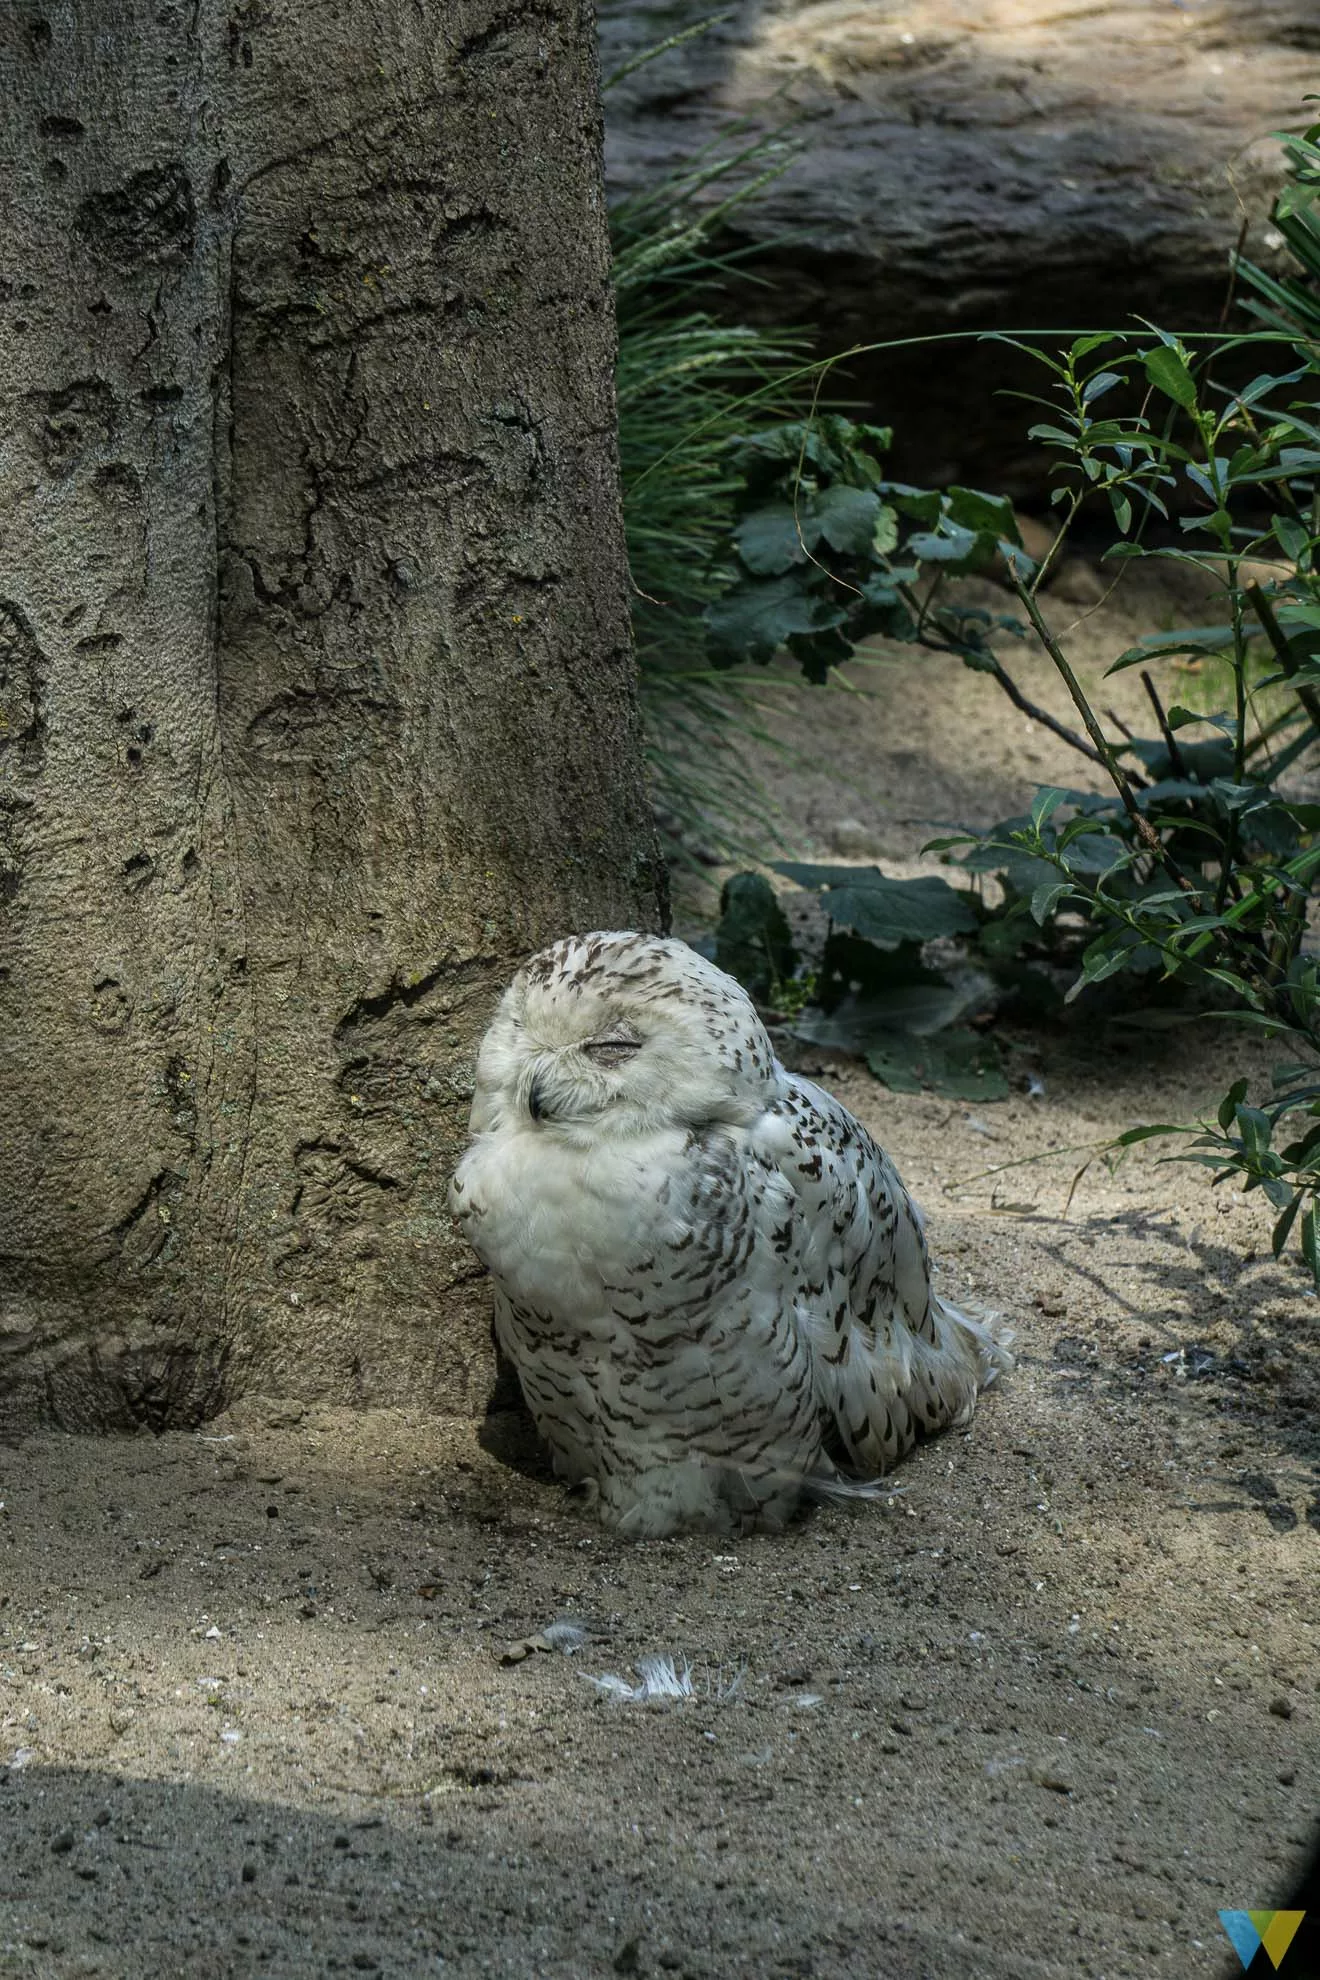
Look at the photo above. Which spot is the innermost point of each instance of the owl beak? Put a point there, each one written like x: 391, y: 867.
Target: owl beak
x: 536, y: 1100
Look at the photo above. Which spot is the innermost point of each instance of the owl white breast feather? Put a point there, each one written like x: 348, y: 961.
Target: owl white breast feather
x: 711, y: 1282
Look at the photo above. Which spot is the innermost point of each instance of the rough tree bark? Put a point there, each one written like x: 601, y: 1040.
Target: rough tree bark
x: 315, y: 687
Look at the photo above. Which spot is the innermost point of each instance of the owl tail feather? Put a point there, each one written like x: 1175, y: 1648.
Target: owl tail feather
x: 835, y: 1487
x: 990, y: 1330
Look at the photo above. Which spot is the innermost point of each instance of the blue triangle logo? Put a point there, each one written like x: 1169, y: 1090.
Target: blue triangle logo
x: 1242, y: 1934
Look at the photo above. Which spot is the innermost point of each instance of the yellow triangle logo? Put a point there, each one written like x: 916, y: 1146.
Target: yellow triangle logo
x: 1277, y: 1931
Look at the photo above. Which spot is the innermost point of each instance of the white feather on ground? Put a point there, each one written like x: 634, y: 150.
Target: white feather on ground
x: 663, y: 1677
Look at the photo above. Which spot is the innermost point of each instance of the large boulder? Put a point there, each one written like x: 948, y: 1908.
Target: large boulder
x: 976, y: 164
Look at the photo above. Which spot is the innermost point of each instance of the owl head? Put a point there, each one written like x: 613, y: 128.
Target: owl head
x: 622, y: 1033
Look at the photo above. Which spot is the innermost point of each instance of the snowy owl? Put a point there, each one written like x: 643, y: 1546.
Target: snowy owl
x: 711, y: 1282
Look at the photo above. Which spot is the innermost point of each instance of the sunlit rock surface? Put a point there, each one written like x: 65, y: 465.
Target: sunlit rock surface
x: 980, y: 163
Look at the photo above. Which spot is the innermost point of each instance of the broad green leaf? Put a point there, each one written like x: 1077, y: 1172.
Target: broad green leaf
x: 1212, y: 758
x: 1046, y: 898
x: 1100, y: 959
x: 1202, y: 479
x: 1305, y: 1150
x: 1261, y: 386
x: 975, y: 511
x: 960, y: 550
x: 784, y: 447
x: 773, y: 539
x: 1230, y: 1103
x: 1294, y: 465
x: 1296, y: 613
x: 885, y: 612
x: 1254, y: 1127
x: 884, y: 537
x: 923, y: 505
x: 1005, y: 849
x: 818, y: 652
x: 1083, y: 346
x: 884, y: 910
x: 1245, y: 457
x: 877, y: 439
x: 961, y: 1065
x: 947, y: 544
x: 1189, y: 639
x: 846, y: 518
x: 1168, y: 374
x: 1180, y: 717
x: 954, y: 839
x: 1098, y: 383
x: 1045, y: 803
x: 753, y: 620
x: 752, y: 939
x: 1236, y: 984
x: 1054, y: 434
x: 1283, y: 1229
x: 1297, y: 1078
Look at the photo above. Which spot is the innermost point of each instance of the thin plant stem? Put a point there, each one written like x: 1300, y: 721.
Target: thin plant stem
x: 662, y: 48
x: 1141, y: 825
x: 1176, y: 762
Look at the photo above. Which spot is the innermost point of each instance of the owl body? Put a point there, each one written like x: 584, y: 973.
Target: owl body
x: 710, y: 1280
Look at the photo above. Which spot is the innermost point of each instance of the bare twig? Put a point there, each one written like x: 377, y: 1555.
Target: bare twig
x: 1027, y: 1161
x: 1234, y: 261
x: 1029, y: 708
x: 1176, y: 760
x: 988, y: 664
x: 1045, y: 568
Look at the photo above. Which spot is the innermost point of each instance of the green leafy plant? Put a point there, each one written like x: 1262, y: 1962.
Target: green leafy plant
x: 828, y: 551
x: 1194, y: 872
x: 870, y: 990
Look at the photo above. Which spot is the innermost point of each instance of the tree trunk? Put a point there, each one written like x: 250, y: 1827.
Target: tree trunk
x: 316, y: 696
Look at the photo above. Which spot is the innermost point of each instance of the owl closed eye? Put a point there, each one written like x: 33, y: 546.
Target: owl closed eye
x: 616, y: 1047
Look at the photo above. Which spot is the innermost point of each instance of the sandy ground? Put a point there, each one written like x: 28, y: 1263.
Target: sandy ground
x: 1042, y: 1712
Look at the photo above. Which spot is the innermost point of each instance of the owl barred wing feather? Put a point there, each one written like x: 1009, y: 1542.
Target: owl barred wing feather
x: 891, y: 1360
x: 709, y: 1278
